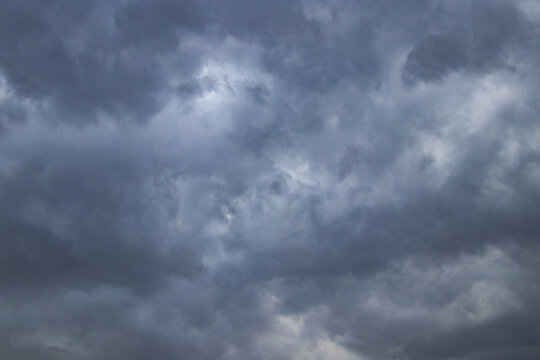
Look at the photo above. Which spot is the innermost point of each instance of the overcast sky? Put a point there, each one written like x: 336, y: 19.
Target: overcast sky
x: 270, y: 180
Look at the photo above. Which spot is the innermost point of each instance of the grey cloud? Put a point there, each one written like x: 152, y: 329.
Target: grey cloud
x: 262, y: 180
x: 196, y: 87
x: 435, y: 57
x: 103, y: 233
x: 11, y: 113
x: 82, y: 60
x: 473, y: 37
x: 259, y: 93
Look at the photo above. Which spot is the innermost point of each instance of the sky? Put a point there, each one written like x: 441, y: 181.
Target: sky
x: 270, y: 179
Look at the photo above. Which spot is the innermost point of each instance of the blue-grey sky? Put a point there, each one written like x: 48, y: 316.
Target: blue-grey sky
x: 269, y: 180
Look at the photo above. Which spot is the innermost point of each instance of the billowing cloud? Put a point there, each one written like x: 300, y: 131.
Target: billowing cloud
x: 303, y: 179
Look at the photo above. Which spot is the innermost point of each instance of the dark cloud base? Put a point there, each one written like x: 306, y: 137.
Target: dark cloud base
x: 306, y: 179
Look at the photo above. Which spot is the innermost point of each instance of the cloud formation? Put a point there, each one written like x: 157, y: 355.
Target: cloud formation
x: 302, y: 179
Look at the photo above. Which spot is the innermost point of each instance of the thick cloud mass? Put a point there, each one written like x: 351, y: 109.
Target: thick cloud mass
x: 287, y: 179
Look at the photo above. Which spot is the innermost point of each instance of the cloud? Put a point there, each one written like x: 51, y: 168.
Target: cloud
x: 269, y: 180
x: 465, y: 39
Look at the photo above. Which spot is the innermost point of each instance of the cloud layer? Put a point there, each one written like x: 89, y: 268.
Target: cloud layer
x: 307, y: 179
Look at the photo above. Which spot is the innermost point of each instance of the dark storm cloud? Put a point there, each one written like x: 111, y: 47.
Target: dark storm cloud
x: 104, y: 234
x: 11, y: 113
x: 269, y: 180
x: 471, y: 37
x: 92, y: 58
